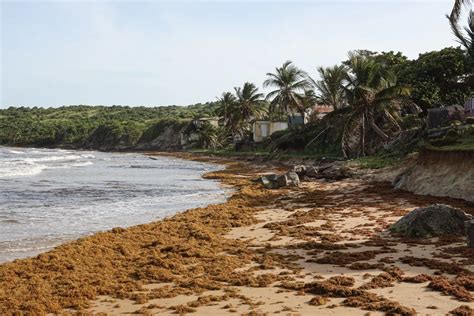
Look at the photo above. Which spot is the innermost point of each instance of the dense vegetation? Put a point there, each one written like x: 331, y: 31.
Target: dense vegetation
x: 92, y: 126
x: 434, y: 79
x: 379, y: 101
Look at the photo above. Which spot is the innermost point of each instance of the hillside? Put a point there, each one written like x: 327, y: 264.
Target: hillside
x: 95, y: 127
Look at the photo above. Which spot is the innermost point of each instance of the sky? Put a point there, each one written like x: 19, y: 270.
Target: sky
x: 152, y: 53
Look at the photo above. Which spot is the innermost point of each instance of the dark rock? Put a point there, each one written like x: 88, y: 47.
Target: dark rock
x: 334, y: 172
x: 300, y: 170
x: 293, y: 179
x: 270, y: 181
x: 312, y: 172
x: 330, y: 171
x: 274, y: 181
x: 431, y: 221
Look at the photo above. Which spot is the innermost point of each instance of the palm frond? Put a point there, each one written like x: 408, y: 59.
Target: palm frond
x: 457, y: 9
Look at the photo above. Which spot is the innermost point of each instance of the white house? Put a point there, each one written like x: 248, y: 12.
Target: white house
x: 264, y: 129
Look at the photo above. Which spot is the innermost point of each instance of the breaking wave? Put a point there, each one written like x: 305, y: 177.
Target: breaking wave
x: 48, y: 196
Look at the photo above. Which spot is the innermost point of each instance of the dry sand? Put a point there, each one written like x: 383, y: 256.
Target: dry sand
x: 321, y: 249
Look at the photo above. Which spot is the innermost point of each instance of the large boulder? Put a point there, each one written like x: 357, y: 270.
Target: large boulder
x: 270, y: 181
x: 434, y: 220
x: 312, y: 172
x: 290, y: 178
x: 330, y: 171
x: 274, y: 181
x: 334, y: 171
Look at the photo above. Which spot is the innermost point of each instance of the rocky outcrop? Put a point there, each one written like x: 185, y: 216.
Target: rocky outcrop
x: 274, y: 181
x: 168, y: 138
x: 440, y: 173
x: 431, y: 221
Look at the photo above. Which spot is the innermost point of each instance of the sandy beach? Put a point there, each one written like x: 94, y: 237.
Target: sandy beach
x: 322, y: 248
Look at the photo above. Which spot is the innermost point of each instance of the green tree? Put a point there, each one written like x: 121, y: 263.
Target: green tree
x: 331, y: 86
x: 249, y: 106
x: 437, y: 78
x: 374, y: 98
x: 290, y: 83
x: 225, y: 104
x: 391, y: 60
x: 208, y: 136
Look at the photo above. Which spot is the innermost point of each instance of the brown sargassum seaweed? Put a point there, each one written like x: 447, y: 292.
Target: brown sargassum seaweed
x: 189, y: 253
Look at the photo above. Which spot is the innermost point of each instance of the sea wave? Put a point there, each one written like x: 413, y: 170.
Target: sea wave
x: 38, y: 212
x: 31, y: 162
x: 24, y: 169
x: 15, y: 152
x: 81, y: 164
x: 53, y: 158
x: 88, y: 156
x: 71, y: 165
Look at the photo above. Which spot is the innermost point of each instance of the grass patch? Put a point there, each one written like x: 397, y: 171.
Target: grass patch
x: 233, y: 153
x: 265, y: 153
x: 374, y: 162
x: 462, y: 144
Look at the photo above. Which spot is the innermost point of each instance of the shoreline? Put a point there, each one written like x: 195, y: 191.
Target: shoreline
x: 261, y: 251
x: 22, y: 239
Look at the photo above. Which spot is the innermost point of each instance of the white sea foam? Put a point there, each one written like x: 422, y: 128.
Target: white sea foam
x: 71, y: 165
x: 53, y: 158
x: 31, y: 162
x: 15, y: 152
x: 48, y: 196
x: 88, y: 156
x: 18, y: 170
x: 81, y: 164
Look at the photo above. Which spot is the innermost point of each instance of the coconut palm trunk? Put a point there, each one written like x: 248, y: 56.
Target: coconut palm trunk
x: 374, y: 101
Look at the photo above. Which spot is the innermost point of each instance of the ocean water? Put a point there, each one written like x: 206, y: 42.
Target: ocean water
x: 49, y: 196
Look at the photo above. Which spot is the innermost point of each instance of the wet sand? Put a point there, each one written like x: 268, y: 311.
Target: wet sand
x: 320, y: 249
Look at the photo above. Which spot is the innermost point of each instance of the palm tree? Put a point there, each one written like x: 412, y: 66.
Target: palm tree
x: 330, y: 87
x: 248, y: 106
x: 290, y: 83
x: 225, y: 104
x: 374, y: 98
x: 457, y: 9
x: 309, y: 99
x: 208, y: 136
x: 466, y: 37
